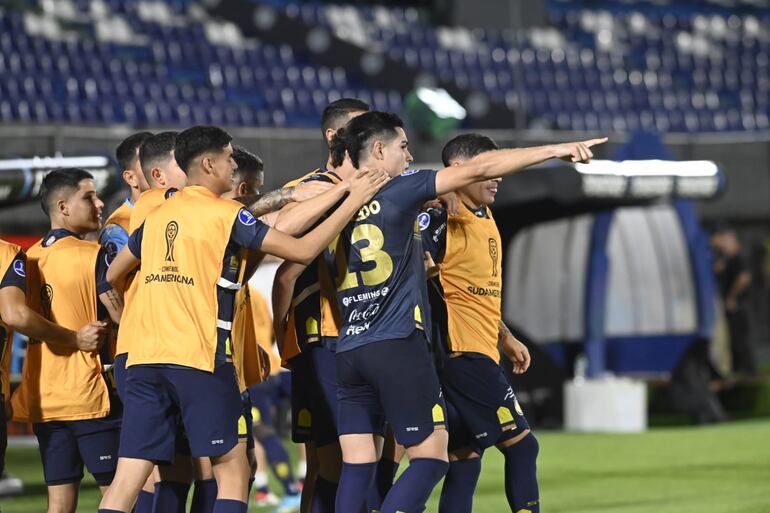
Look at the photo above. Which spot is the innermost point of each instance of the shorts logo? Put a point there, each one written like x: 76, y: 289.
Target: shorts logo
x: 493, y: 255
x: 245, y: 217
x: 46, y: 300
x: 217, y: 442
x: 106, y: 457
x: 172, y: 230
x: 482, y: 435
x: 412, y: 429
x: 18, y: 268
x: 423, y: 221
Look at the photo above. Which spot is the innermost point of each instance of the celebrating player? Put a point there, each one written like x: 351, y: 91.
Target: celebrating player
x: 63, y: 391
x: 384, y: 368
x: 482, y: 409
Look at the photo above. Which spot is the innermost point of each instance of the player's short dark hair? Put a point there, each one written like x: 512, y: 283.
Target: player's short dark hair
x: 335, y: 115
x: 196, y: 141
x: 155, y: 150
x: 247, y: 162
x: 59, y: 180
x: 126, y: 152
x: 359, y: 132
x: 466, y: 146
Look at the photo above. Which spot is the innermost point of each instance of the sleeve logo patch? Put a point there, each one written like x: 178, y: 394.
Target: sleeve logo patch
x: 110, y: 252
x: 245, y: 217
x: 18, y: 268
x: 423, y: 221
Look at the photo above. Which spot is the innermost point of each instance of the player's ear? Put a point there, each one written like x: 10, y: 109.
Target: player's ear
x: 329, y: 134
x: 242, y: 189
x: 158, y: 177
x: 130, y: 178
x: 62, y: 207
x: 378, y: 150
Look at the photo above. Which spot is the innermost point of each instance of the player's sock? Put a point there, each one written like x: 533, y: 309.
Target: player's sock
x: 204, y: 496
x: 386, y: 473
x: 170, y: 497
x: 261, y: 481
x: 324, y: 496
x: 459, y: 485
x: 230, y: 506
x: 144, y: 502
x: 355, y: 481
x: 279, y: 461
x: 411, y: 491
x: 521, y: 475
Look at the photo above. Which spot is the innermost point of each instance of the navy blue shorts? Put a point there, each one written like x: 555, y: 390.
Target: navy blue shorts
x: 119, y: 372
x: 314, y: 396
x: 483, y: 410
x: 393, y: 380
x: 160, y: 399
x: 66, y: 445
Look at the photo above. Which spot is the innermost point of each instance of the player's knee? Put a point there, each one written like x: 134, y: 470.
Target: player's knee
x: 463, y: 454
x: 526, y: 447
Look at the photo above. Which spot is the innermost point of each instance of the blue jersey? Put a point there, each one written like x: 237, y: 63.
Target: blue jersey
x: 377, y: 264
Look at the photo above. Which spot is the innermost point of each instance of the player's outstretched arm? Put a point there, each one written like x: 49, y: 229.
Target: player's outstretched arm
x: 498, y: 163
x: 298, y: 219
x: 21, y: 318
x: 303, y: 250
x: 123, y: 263
x: 283, y: 289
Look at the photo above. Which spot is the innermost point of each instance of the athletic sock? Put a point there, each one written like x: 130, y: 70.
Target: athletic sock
x: 278, y: 458
x: 459, y: 485
x: 386, y: 473
x: 261, y: 481
x: 521, y: 475
x: 355, y: 481
x: 170, y: 497
x: 324, y: 496
x: 204, y: 496
x: 230, y: 506
x: 144, y: 502
x: 411, y: 491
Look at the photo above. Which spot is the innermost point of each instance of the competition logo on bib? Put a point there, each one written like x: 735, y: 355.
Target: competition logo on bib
x: 172, y: 230
x: 245, y: 217
x: 18, y: 268
x: 493, y: 255
x: 423, y: 220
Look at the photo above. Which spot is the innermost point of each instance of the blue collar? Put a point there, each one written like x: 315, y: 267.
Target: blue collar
x: 54, y: 235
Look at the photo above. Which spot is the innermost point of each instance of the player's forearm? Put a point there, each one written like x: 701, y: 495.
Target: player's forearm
x: 315, y: 241
x: 740, y: 285
x: 283, y: 287
x: 113, y: 302
x: 494, y: 164
x: 24, y: 320
x: 296, y: 220
x: 260, y: 205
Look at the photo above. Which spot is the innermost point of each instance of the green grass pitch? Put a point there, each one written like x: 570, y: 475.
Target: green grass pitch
x: 721, y: 469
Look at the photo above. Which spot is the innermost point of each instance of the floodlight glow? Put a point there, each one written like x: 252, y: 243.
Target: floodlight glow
x: 441, y: 103
x: 688, y: 168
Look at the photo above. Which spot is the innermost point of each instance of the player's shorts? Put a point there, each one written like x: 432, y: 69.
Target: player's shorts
x: 161, y: 398
x: 66, y: 445
x: 482, y: 409
x: 394, y: 380
x: 314, y: 396
x: 119, y: 372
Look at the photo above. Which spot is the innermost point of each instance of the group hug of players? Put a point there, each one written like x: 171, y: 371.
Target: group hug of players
x: 386, y: 310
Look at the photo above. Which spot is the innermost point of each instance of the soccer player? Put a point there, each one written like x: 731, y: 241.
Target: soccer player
x: 189, y: 248
x: 15, y: 315
x: 466, y: 301
x: 63, y: 391
x: 384, y: 366
x: 306, y: 327
x: 114, y: 234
